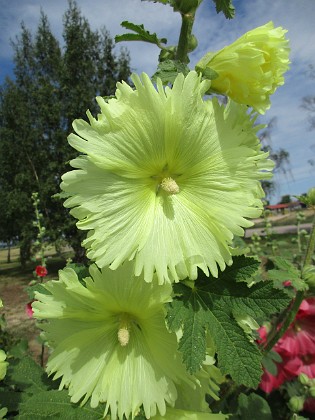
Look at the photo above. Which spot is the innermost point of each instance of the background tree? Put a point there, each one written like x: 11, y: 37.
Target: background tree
x: 285, y: 199
x: 52, y: 87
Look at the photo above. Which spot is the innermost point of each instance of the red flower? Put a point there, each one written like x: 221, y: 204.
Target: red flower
x: 41, y: 271
x: 29, y: 309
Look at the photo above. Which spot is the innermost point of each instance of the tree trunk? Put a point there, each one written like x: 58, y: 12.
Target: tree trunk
x: 9, y: 252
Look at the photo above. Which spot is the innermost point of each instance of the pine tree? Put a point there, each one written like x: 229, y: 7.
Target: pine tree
x: 52, y: 87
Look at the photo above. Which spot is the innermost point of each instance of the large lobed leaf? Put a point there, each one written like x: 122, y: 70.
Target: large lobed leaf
x: 31, y: 393
x: 56, y: 404
x: 211, y: 305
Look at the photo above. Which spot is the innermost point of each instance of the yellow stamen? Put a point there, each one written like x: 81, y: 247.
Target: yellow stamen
x: 169, y: 185
x: 123, y: 336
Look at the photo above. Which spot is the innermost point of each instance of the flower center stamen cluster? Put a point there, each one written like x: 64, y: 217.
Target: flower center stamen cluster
x: 124, y: 328
x: 169, y: 185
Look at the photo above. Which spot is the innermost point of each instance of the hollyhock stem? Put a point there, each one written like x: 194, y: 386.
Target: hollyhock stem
x: 185, y: 33
x: 293, y: 308
x: 288, y: 319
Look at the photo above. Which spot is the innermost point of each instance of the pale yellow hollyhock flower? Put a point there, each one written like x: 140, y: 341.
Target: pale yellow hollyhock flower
x: 165, y: 178
x: 110, y: 342
x: 251, y: 68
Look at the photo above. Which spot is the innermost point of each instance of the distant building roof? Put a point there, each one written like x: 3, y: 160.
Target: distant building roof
x: 283, y: 205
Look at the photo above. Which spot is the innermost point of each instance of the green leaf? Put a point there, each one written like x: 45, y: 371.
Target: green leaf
x: 56, y: 404
x: 251, y: 407
x: 28, y: 376
x: 193, y: 342
x: 209, y: 73
x: 10, y: 399
x: 19, y: 350
x: 212, y: 305
x: 269, y: 362
x: 168, y: 70
x: 287, y: 271
x: 226, y: 7
x: 243, y: 269
x: 141, y: 34
x: 37, y: 287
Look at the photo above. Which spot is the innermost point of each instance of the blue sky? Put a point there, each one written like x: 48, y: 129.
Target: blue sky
x: 213, y: 32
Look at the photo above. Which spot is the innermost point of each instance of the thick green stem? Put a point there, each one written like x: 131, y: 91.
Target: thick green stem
x: 288, y: 319
x: 292, y: 310
x: 185, y: 33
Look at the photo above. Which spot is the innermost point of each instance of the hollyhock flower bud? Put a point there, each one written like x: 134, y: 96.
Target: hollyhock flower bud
x: 250, y: 69
x: 296, y: 403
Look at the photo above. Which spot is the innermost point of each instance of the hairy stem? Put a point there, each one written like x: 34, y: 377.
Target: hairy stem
x: 185, y: 33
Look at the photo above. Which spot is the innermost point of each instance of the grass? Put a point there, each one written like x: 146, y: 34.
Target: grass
x: 286, y: 246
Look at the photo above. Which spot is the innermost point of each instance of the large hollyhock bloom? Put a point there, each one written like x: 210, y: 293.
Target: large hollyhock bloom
x: 110, y: 342
x: 250, y: 69
x: 165, y: 178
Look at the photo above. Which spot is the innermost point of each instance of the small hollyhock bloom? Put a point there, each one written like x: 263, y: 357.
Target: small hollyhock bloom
x: 251, y: 68
x: 166, y: 178
x: 41, y: 271
x: 110, y: 342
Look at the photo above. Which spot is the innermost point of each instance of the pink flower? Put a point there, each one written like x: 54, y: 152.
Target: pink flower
x: 308, y: 365
x: 287, y: 283
x: 296, y: 348
x: 41, y: 271
x: 29, y: 309
x: 299, y: 339
x: 288, y: 369
x: 262, y: 331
